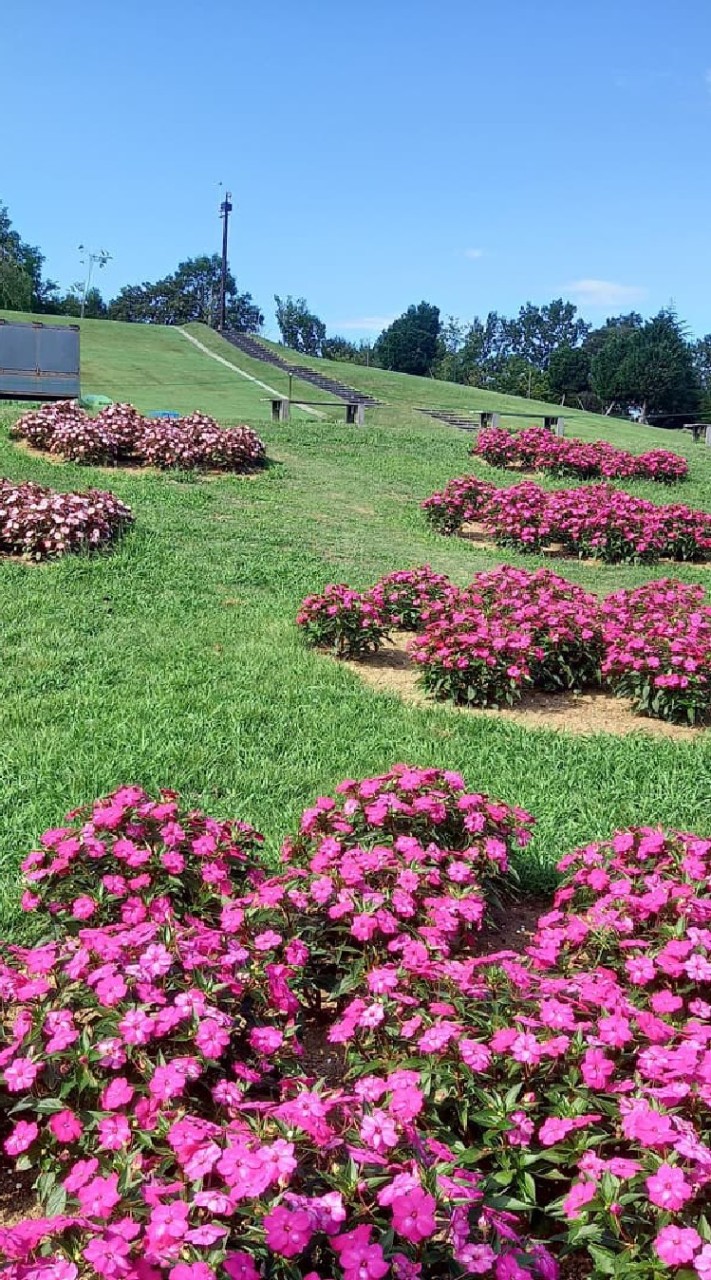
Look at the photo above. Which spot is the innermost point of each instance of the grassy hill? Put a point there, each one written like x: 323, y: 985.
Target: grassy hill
x: 156, y: 367
x: 174, y: 660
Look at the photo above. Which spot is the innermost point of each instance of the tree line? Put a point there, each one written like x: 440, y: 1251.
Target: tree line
x: 649, y: 367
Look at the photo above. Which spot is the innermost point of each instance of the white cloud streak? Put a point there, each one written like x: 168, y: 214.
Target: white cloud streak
x: 474, y: 253
x: 366, y: 323
x: 604, y: 293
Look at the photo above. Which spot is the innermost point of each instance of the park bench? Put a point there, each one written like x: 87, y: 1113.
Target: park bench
x: 476, y: 419
x: 699, y: 429
x: 355, y: 410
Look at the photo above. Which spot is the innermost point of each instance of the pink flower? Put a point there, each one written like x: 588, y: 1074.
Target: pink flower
x: 22, y: 1137
x: 21, y: 1074
x: 83, y: 908
x: 240, y: 1266
x: 414, y: 1215
x: 118, y: 1093
x: 99, y: 1196
x: 191, y: 1271
x: 266, y: 1040
x: 114, y: 1133
x: 378, y: 1131
x: 677, y: 1245
x: 287, y: 1233
x: 580, y: 1194
x: 267, y: 941
x: 668, y: 1187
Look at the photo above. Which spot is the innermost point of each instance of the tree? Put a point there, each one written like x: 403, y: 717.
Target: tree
x: 191, y: 293
x: 649, y: 367
x: 569, y: 372
x: 537, y: 332
x: 701, y: 354
x: 338, y: 348
x: 300, y: 328
x: 21, y: 262
x: 70, y: 303
x: 15, y: 285
x: 410, y: 344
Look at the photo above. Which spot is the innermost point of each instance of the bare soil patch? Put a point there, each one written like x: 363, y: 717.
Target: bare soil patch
x: 391, y: 671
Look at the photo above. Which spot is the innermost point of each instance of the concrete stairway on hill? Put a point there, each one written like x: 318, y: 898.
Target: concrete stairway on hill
x: 253, y: 348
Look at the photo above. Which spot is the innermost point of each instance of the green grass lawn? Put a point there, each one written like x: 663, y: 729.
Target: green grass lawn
x: 174, y: 661
x: 155, y: 367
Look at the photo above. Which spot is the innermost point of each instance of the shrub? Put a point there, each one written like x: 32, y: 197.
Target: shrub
x: 489, y: 1111
x: 397, y: 865
x: 401, y: 598
x: 658, y: 649
x: 348, y: 623
x: 575, y: 1081
x: 40, y: 524
x: 153, y: 1071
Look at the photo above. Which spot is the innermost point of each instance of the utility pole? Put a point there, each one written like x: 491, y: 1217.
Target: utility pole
x: 225, y: 211
x: 90, y: 257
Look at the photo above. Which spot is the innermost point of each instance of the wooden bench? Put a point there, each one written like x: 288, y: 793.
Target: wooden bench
x: 551, y: 421
x: 699, y: 429
x: 355, y: 411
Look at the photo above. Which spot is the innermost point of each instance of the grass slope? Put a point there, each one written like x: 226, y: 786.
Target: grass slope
x: 174, y: 660
x: 155, y: 367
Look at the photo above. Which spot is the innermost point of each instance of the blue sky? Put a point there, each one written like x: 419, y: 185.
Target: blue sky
x: 476, y: 155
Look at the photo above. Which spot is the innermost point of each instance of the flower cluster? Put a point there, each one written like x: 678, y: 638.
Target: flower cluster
x: 345, y: 622
x: 595, y: 521
x: 513, y: 630
x: 405, y: 596
x: 658, y: 649
x: 509, y: 631
x: 39, y: 523
x: 123, y: 855
x: 154, y: 1066
x: 537, y: 449
x: 576, y: 1080
x: 462, y: 499
x: 120, y: 434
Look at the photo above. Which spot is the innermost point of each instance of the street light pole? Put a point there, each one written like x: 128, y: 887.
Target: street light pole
x: 225, y: 211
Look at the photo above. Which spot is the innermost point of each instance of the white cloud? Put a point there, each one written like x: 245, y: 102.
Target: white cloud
x: 604, y: 293
x: 707, y: 78
x: 369, y: 323
x: 473, y: 253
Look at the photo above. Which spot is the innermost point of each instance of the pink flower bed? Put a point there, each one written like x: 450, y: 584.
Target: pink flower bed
x: 513, y: 630
x: 540, y: 450
x: 119, y: 434
x: 345, y: 622
x: 595, y: 521
x: 658, y: 648
x: 41, y: 524
x: 488, y: 1114
x: 510, y: 630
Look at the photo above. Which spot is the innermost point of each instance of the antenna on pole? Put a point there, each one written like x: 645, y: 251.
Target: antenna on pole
x: 225, y: 211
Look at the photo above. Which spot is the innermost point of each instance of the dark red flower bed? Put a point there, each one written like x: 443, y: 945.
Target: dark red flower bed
x: 41, y: 524
x: 119, y: 434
